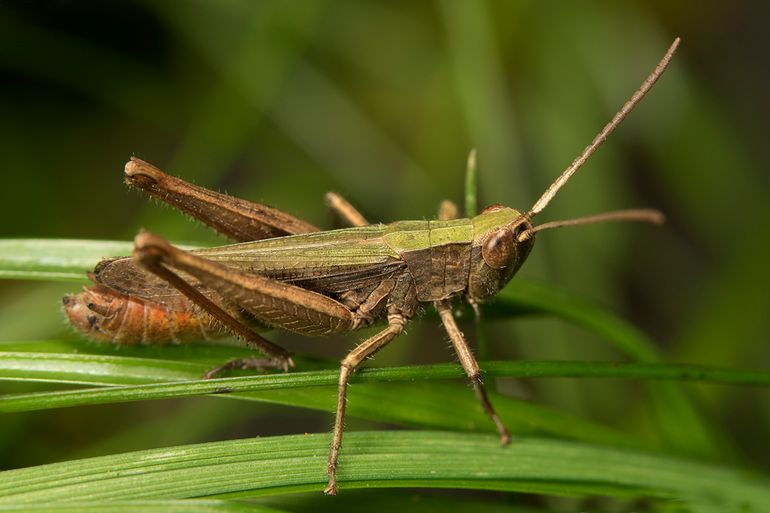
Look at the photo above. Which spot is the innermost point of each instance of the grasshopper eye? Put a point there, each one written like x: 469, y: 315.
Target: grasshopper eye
x: 497, y: 248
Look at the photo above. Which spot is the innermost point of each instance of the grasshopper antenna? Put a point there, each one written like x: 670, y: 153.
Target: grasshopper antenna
x: 591, y: 148
x: 642, y: 214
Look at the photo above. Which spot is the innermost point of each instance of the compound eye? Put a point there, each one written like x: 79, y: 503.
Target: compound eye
x: 497, y: 248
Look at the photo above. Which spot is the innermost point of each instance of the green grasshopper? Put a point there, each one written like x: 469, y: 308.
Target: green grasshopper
x: 287, y: 274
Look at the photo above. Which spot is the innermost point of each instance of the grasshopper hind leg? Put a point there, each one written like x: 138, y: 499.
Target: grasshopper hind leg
x: 267, y: 301
x: 240, y: 220
x: 153, y: 253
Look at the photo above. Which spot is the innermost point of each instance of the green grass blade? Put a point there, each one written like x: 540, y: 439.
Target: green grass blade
x: 471, y: 185
x: 416, y: 404
x: 114, y: 370
x: 524, y: 297
x: 55, y: 259
x: 148, y: 506
x: 680, y: 423
x: 401, y: 400
x: 385, y: 501
x: 286, y: 464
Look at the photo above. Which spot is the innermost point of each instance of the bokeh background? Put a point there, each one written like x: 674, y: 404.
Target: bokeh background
x: 381, y: 101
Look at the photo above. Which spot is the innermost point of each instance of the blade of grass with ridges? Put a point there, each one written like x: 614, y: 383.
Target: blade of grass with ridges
x: 287, y: 464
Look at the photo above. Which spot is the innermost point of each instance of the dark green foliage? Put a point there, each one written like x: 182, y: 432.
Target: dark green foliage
x: 382, y: 101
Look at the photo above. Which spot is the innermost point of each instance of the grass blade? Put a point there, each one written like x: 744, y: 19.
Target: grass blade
x: 55, y: 259
x: 471, y: 184
x: 278, y: 465
x: 106, y: 370
x: 416, y: 404
x: 148, y: 506
x: 682, y: 426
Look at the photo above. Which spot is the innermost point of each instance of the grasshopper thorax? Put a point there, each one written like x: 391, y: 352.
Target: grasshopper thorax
x: 497, y: 251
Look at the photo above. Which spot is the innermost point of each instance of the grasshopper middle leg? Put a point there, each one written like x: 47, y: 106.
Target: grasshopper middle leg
x: 396, y: 322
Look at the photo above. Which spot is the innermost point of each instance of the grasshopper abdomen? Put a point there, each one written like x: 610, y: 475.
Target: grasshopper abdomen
x: 106, y: 315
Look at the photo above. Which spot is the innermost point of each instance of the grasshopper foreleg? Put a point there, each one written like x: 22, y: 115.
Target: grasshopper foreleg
x: 470, y: 366
x: 448, y: 210
x: 396, y: 322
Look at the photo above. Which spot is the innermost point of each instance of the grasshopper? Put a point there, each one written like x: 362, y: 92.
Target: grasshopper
x: 285, y: 273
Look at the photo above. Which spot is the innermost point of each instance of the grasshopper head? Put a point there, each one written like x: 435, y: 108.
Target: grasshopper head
x: 497, y: 251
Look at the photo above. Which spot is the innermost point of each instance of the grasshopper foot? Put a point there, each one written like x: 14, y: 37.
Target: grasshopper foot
x: 251, y: 364
x: 331, y: 488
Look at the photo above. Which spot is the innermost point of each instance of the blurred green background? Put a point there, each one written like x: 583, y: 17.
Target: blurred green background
x: 281, y: 101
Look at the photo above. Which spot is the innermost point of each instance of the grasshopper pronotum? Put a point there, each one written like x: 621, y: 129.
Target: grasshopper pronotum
x: 287, y: 274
